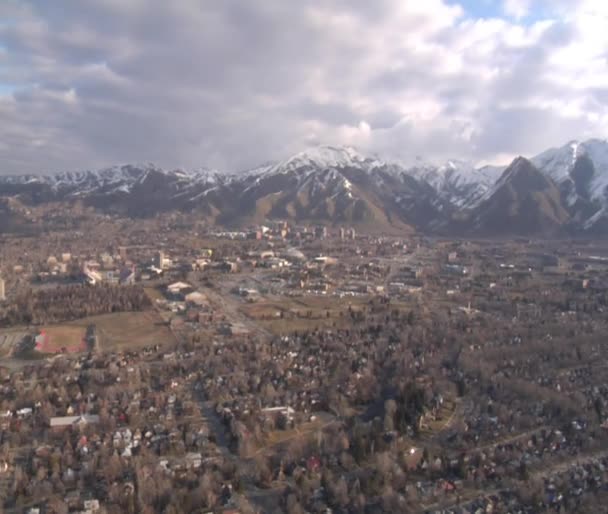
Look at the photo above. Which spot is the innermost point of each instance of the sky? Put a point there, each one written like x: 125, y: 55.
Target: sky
x: 230, y: 84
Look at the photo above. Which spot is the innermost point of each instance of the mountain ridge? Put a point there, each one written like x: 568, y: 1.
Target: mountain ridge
x: 340, y: 185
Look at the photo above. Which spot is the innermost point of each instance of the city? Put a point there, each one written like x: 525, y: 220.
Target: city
x: 301, y: 369
x: 303, y: 257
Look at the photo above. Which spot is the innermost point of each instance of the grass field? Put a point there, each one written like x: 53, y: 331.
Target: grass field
x: 286, y: 315
x: 128, y: 330
x: 59, y: 337
x: 118, y: 331
x: 303, y: 313
x: 303, y: 432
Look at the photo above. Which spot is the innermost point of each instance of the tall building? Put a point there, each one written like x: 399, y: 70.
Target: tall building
x: 2, y: 290
x: 159, y: 259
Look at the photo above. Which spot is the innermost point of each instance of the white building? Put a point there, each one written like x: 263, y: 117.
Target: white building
x: 2, y: 290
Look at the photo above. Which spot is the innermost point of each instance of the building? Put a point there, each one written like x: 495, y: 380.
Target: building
x: 196, y: 298
x: 91, y: 274
x: 178, y: 290
x: 455, y: 269
x: 61, y: 422
x: 321, y: 232
x: 2, y: 290
x: 127, y: 276
x: 159, y: 260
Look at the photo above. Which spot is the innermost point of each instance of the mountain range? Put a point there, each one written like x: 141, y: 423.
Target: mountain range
x: 560, y: 192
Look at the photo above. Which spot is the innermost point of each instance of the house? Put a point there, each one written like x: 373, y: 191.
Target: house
x: 91, y: 505
x: 313, y: 464
x: 249, y: 293
x: 178, y: 290
x: 323, y: 260
x: 92, y: 277
x: 178, y: 287
x: 455, y: 269
x: 61, y: 422
x: 228, y: 266
x: 193, y: 460
x: 25, y: 412
x: 233, y: 329
x: 287, y: 411
x: 196, y: 298
x: 127, y: 276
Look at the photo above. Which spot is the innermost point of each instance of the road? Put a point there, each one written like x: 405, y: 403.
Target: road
x: 228, y: 305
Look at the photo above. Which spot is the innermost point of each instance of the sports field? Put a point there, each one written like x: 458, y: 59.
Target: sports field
x: 128, y: 330
x: 61, y: 338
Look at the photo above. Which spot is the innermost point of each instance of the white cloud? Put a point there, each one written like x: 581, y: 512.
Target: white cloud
x: 241, y: 82
x: 516, y: 8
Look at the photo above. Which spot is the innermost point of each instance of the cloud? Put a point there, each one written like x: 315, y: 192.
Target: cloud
x: 516, y: 8
x: 231, y: 84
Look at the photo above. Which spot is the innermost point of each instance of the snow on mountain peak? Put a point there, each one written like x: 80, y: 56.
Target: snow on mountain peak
x: 559, y: 163
x: 326, y: 157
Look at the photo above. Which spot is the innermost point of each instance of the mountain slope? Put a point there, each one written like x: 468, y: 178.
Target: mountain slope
x: 134, y: 190
x: 328, y: 184
x: 523, y: 201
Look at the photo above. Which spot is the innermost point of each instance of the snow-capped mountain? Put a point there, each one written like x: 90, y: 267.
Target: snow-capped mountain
x: 522, y: 201
x: 459, y: 183
x: 321, y: 157
x: 115, y: 179
x: 342, y: 185
x: 580, y: 169
x: 336, y: 184
x: 559, y: 163
x: 135, y: 189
